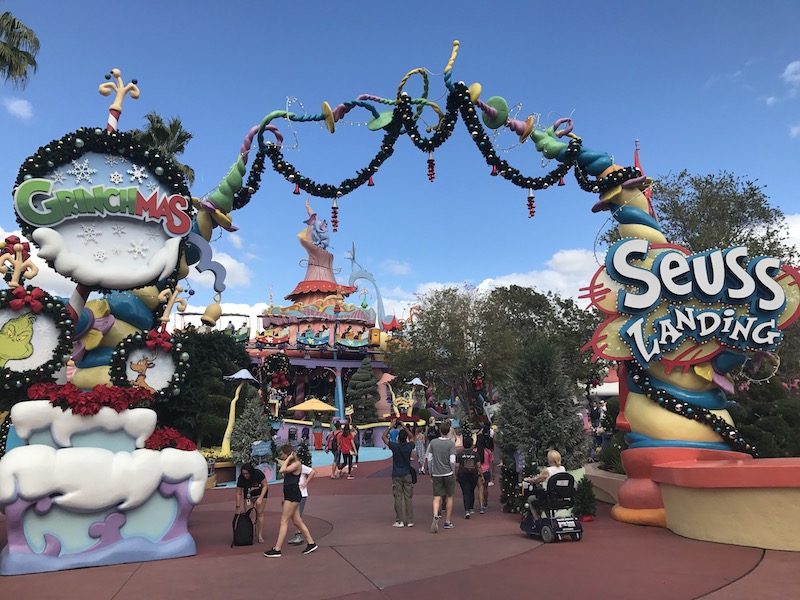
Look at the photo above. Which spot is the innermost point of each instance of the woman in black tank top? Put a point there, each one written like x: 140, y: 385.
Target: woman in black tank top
x: 290, y: 468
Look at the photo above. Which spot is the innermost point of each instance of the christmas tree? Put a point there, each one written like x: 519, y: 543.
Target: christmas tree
x: 251, y: 426
x: 585, y: 505
x: 303, y: 453
x: 538, y: 412
x: 512, y: 496
x: 362, y: 393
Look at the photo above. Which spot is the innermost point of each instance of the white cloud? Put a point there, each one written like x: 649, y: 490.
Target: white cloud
x: 793, y: 229
x: 794, y: 131
x: 17, y: 107
x: 238, y: 273
x: 569, y: 271
x: 791, y: 74
x: 235, y: 239
x: 397, y: 267
x: 770, y: 100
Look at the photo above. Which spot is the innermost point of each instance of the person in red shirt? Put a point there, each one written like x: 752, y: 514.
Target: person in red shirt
x: 347, y: 448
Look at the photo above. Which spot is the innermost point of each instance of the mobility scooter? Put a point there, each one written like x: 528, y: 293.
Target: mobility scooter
x: 559, y: 495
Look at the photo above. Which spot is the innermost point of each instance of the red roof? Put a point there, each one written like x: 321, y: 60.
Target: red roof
x: 391, y: 325
x: 310, y: 286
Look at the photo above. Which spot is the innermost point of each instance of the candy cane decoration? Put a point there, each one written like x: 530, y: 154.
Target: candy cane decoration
x: 121, y: 90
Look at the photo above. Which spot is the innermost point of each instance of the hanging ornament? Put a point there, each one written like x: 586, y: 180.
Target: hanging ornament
x: 494, y: 171
x: 296, y: 191
x: 560, y: 181
x: 335, y: 215
x: 431, y: 167
x: 370, y: 183
x: 531, y: 204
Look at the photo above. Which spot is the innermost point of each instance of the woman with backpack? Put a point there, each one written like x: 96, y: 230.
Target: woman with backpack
x: 251, y: 492
x: 467, y: 473
x: 346, y: 447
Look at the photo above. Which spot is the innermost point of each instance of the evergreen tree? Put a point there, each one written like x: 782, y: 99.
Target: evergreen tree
x: 585, y: 503
x: 538, y: 413
x: 362, y: 393
x: 251, y: 426
x: 304, y: 453
x: 512, y: 496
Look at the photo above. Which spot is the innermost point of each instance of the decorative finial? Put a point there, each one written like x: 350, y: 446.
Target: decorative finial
x: 171, y: 297
x: 120, y: 89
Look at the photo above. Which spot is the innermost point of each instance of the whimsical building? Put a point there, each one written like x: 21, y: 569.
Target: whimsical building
x: 321, y: 336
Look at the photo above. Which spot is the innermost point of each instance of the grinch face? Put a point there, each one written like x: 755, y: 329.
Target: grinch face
x: 15, y: 339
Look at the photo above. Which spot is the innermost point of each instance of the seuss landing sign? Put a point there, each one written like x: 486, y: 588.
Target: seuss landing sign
x: 107, y: 215
x: 665, y: 304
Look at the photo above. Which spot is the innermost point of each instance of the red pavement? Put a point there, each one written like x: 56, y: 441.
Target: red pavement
x: 361, y: 556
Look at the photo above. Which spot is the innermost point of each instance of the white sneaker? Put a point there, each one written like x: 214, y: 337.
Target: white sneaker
x: 409, y: 524
x: 296, y: 540
x: 397, y: 524
x: 491, y: 483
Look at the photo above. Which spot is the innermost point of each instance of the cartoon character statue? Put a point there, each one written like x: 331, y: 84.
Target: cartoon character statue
x: 15, y: 339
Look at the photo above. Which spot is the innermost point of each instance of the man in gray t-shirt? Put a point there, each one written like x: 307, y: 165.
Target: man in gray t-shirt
x: 442, y: 459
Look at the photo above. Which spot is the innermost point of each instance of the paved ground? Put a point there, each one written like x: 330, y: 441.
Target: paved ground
x: 361, y: 556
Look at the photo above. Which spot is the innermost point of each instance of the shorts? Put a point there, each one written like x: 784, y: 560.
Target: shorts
x: 337, y: 456
x: 487, y: 476
x: 444, y: 485
x: 291, y: 493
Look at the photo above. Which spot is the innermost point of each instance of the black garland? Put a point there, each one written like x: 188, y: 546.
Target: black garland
x: 56, y: 310
x: 94, y: 139
x: 404, y: 121
x: 5, y: 426
x: 729, y: 434
x: 119, y: 365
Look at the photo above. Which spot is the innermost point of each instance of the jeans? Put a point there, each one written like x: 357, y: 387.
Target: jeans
x: 468, y: 483
x: 403, y: 492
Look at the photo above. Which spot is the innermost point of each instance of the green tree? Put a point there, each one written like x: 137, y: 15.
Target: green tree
x: 769, y: 418
x: 362, y: 393
x: 200, y: 411
x: 18, y: 48
x: 720, y: 210
x: 169, y: 138
x: 538, y: 413
x: 251, y: 426
x: 304, y: 453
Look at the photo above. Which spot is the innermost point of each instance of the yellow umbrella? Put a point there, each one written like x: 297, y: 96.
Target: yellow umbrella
x: 313, y: 404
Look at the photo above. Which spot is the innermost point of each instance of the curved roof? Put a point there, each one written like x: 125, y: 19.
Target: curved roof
x: 327, y: 287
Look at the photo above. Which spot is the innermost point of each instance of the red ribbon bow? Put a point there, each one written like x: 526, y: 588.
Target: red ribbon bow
x: 156, y: 338
x: 12, y: 241
x: 31, y: 298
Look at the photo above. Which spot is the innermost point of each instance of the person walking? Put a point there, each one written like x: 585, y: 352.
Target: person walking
x: 306, y: 475
x: 346, y: 448
x: 356, y: 443
x: 402, y: 482
x: 290, y: 467
x: 467, y: 473
x: 333, y: 446
x: 441, y: 459
x: 421, y: 446
x: 486, y: 459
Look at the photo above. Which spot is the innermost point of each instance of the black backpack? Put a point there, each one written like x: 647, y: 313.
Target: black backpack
x: 243, y: 529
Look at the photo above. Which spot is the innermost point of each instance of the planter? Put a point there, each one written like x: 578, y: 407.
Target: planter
x: 225, y: 472
x: 586, y: 518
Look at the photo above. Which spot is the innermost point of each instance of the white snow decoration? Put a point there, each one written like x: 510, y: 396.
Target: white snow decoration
x: 89, y: 479
x: 89, y: 234
x: 118, y: 229
x: 37, y: 415
x: 54, y: 248
x: 112, y: 160
x: 116, y: 178
x: 57, y: 177
x: 82, y: 171
x: 137, y: 174
x: 138, y: 248
x: 100, y: 255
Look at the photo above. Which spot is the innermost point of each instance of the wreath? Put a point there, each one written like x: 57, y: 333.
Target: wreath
x: 154, y: 361
x: 35, y: 336
x: 278, y: 370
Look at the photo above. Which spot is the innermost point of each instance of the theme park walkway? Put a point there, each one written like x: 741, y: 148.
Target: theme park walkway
x: 361, y: 556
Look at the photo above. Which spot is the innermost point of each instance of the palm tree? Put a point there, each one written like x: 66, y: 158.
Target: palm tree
x: 18, y: 48
x: 169, y: 138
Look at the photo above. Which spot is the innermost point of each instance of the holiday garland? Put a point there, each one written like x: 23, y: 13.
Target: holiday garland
x: 36, y: 302
x: 729, y: 434
x: 278, y: 370
x: 167, y: 437
x: 159, y: 342
x: 70, y: 397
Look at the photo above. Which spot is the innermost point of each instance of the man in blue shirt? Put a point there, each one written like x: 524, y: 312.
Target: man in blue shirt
x: 402, y: 486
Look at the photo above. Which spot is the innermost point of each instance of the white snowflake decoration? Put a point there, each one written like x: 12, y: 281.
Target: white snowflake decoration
x: 100, y: 255
x: 152, y: 234
x: 81, y: 171
x: 138, y: 249
x: 115, y: 251
x: 152, y: 186
x: 112, y: 160
x: 89, y: 234
x: 116, y: 178
x: 58, y: 177
x: 118, y: 230
x: 137, y: 174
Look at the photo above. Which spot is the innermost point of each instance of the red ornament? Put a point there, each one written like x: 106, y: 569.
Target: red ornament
x: 431, y: 167
x: 296, y: 191
x: 494, y: 171
x: 370, y: 183
x: 560, y: 181
x: 531, y: 204
x: 335, y: 216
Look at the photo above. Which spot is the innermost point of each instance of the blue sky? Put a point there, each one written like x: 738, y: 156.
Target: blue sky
x: 704, y: 86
